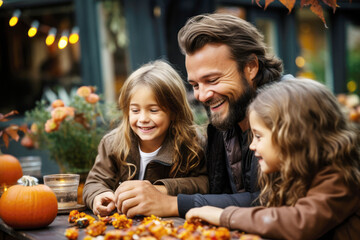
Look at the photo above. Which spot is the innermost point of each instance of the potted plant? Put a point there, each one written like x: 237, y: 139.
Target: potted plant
x: 72, y: 129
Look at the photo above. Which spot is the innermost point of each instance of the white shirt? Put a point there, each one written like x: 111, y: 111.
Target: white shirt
x: 145, y: 158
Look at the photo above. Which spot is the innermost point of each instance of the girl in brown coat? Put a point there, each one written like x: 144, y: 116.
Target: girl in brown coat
x: 309, y: 156
x: 156, y: 143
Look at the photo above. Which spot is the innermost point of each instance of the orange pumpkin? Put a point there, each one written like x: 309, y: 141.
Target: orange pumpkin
x: 28, y: 206
x: 10, y: 169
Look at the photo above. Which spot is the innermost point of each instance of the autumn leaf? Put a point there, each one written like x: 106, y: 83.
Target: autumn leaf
x: 80, y: 118
x: 289, y: 4
x: 3, y: 118
x: 332, y: 3
x: 267, y: 2
x: 6, y: 139
x: 24, y: 128
x: 314, y: 5
x: 12, y: 130
x: 258, y: 2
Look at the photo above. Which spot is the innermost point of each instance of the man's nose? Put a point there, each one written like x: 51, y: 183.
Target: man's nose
x: 203, y: 94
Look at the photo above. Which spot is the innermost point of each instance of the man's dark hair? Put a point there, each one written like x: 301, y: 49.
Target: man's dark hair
x: 243, y: 39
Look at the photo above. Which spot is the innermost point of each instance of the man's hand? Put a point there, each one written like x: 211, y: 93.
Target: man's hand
x: 104, y: 204
x: 138, y: 197
x: 207, y: 213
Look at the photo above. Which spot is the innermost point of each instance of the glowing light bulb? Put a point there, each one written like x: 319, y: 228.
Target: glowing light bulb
x: 33, y: 29
x: 13, y: 21
x: 300, y: 61
x: 1, y: 2
x: 15, y: 18
x: 50, y: 39
x: 351, y: 86
x: 63, y: 40
x: 74, y: 36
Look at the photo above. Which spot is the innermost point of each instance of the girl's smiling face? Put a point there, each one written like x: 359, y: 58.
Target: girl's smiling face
x: 266, y: 152
x: 147, y: 119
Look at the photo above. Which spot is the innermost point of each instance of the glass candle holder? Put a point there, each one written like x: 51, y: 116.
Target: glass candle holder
x: 65, y: 187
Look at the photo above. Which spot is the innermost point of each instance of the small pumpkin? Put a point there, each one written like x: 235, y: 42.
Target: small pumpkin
x: 28, y: 206
x: 10, y: 169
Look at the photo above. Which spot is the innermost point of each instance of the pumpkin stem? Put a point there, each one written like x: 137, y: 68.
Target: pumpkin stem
x: 28, y: 180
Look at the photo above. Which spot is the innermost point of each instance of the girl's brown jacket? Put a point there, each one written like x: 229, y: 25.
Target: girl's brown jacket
x: 107, y: 172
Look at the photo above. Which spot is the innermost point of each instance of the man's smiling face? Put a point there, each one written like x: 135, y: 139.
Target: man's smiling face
x: 218, y: 84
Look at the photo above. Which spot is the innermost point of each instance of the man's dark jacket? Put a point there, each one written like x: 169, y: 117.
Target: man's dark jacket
x: 232, y: 169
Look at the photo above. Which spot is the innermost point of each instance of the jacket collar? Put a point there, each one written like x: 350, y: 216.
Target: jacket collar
x: 165, y: 155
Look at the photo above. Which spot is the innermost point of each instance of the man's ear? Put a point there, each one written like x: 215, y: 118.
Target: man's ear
x: 251, y: 69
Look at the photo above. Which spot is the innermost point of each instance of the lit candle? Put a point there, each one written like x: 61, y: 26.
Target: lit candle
x: 65, y: 187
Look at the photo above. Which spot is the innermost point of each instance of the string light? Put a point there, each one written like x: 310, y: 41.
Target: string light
x: 33, y: 29
x: 15, y: 18
x: 51, y: 34
x: 74, y: 36
x: 1, y: 2
x: 50, y: 39
x: 300, y: 61
x: 63, y: 40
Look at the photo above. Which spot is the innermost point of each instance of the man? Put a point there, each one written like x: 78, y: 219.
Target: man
x: 226, y: 62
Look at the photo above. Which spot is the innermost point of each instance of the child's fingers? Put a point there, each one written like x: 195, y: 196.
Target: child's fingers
x: 191, y: 215
x: 105, y: 210
x: 104, y: 204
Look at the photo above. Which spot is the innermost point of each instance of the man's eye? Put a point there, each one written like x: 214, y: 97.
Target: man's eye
x: 195, y: 86
x: 213, y: 80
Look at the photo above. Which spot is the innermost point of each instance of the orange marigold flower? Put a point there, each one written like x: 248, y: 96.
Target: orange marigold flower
x: 84, y: 91
x: 70, y: 111
x: 57, y: 103
x: 59, y: 114
x: 51, y: 125
x: 95, y: 229
x: 92, y: 98
x: 34, y: 128
x: 71, y: 233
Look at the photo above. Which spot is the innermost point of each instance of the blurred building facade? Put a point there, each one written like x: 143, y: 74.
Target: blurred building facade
x: 117, y: 36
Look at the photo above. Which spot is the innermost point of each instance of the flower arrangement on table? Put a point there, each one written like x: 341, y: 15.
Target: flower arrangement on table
x: 72, y: 132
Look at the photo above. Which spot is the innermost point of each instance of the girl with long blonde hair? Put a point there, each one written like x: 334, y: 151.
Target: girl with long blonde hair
x: 156, y: 140
x: 309, y: 156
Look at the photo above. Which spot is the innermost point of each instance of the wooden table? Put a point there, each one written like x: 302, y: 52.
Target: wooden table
x: 55, y: 230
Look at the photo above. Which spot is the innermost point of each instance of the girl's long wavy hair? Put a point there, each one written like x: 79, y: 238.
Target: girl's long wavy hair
x: 168, y: 88
x: 245, y: 43
x: 311, y: 131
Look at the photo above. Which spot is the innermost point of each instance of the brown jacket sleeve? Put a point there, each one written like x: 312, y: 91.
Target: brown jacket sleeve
x: 328, y: 203
x: 196, y: 182
x: 104, y: 175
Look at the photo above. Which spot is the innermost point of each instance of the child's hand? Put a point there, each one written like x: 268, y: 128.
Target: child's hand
x: 104, y: 204
x: 207, y: 213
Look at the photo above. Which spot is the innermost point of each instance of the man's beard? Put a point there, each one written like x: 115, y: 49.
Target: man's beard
x: 237, y: 109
